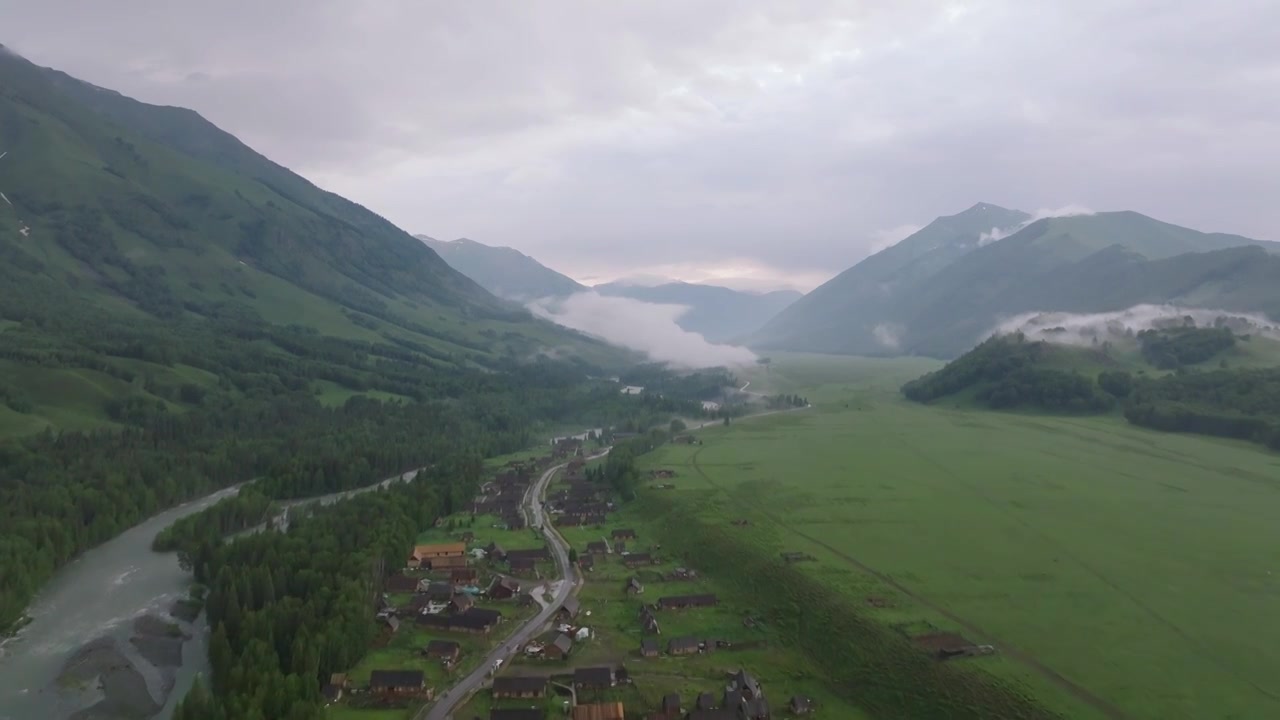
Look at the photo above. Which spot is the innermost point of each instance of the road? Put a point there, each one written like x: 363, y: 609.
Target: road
x: 443, y: 708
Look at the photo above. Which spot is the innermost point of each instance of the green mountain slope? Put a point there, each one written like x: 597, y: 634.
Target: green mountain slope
x: 719, y: 314
x: 503, y: 271
x: 137, y: 234
x: 842, y: 315
x: 1086, y: 263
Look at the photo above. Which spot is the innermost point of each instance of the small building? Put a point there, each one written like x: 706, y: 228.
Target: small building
x: 598, y: 547
x: 649, y: 621
x: 682, y: 646
x: 633, y: 586
x: 593, y: 678
x: 671, y: 704
x: 706, y: 701
x: 523, y: 566
x: 397, y: 682
x: 461, y: 602
x: 800, y: 705
x: 635, y: 560
x: 464, y: 576
x: 586, y: 562
x: 445, y: 563
x: 680, y: 602
x: 393, y: 622
x: 623, y: 534
x: 712, y: 714
x: 494, y: 550
x: 559, y: 648
x: 440, y: 591
x: 599, y: 711
x: 517, y: 714
x: 446, y: 651
x: 521, y: 687
x: 649, y: 647
x: 503, y: 588
x: 424, y: 555
x: 337, y: 685
x: 526, y: 599
x: 570, y: 608
x: 467, y: 536
x: 746, y: 683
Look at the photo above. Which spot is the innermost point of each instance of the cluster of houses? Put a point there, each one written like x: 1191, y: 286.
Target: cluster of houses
x: 579, y: 502
x: 742, y: 698
x: 560, y: 642
x: 504, y: 495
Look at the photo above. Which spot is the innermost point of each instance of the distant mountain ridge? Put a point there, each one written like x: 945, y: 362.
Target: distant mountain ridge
x: 717, y: 313
x: 503, y: 271
x: 939, y: 291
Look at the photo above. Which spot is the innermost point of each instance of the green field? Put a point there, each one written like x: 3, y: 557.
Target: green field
x: 1119, y: 572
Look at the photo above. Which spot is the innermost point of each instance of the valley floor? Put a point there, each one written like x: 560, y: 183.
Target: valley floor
x: 1117, y: 572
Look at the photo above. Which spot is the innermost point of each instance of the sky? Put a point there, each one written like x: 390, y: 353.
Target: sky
x: 755, y: 144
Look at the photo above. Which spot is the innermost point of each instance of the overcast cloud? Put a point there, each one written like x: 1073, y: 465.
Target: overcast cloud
x: 758, y: 142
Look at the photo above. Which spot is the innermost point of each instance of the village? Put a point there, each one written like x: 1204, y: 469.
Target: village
x: 642, y: 636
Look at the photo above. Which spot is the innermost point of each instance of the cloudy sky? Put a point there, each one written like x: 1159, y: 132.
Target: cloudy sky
x: 767, y: 142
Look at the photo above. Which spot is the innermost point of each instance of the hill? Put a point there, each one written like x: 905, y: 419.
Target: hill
x: 1182, y: 378
x: 719, y: 314
x: 503, y: 271
x: 138, y: 235
x: 853, y: 312
x: 1084, y: 263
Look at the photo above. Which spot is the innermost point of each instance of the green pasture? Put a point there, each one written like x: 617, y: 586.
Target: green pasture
x: 1118, y: 572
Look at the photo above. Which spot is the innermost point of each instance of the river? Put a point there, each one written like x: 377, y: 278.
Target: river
x: 100, y: 595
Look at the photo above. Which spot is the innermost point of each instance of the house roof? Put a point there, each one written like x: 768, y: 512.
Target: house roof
x: 745, y: 681
x: 535, y: 553
x: 586, y: 561
x: 593, y: 676
x: 571, y: 605
x: 563, y: 643
x: 649, y: 645
x: 687, y: 600
x: 706, y: 701
x: 395, y: 678
x: 519, y: 684
x: 401, y: 584
x: 600, y: 711
x: 800, y: 702
x: 709, y: 714
x: 443, y: 647
x: 453, y: 548
x: 637, y: 558
x: 517, y: 714
x: 521, y: 562
x: 462, y: 601
x: 671, y: 702
x: 597, y: 545
x: 682, y: 643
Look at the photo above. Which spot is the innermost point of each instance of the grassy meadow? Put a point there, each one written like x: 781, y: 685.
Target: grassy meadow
x: 1119, y: 572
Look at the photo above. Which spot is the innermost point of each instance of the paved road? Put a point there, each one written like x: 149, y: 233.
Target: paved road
x: 456, y: 695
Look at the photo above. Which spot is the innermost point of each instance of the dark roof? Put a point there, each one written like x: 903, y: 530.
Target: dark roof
x: 521, y: 563
x: 593, y: 676
x: 597, y: 545
x: 800, y: 702
x: 586, y: 561
x: 632, y: 558
x: 757, y: 708
x: 401, y: 584
x: 395, y: 678
x: 571, y: 605
x: 536, y: 553
x: 519, y: 684
x: 712, y: 715
x: 443, y: 647
x: 473, y: 619
x: 687, y: 601
x: 706, y: 701
x: 649, y: 645
x: 462, y: 601
x: 517, y: 714
x: 440, y: 589
x: 746, y: 682
x: 671, y: 702
x: 492, y: 616
x: 563, y: 643
x: 682, y: 643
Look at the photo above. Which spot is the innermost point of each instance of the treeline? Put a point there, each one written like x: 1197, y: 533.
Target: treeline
x: 619, y: 470
x: 779, y: 402
x: 657, y: 378
x: 1005, y: 371
x: 1172, y: 348
x: 245, y: 509
x: 1240, y: 404
x: 289, y: 609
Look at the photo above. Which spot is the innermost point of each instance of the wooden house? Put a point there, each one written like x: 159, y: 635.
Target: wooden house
x: 599, y: 711
x: 397, y: 682
x: 680, y: 602
x: 524, y: 687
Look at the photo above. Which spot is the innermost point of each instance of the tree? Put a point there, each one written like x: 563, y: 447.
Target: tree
x: 726, y: 421
x: 678, y: 426
x: 573, y: 555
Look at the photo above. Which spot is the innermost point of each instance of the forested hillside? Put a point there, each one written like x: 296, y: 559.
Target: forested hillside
x: 1202, y: 394
x: 178, y: 314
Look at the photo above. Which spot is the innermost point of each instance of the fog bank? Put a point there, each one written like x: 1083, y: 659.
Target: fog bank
x: 1083, y: 329
x: 647, y: 327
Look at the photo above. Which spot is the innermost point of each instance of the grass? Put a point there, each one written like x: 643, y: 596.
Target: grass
x: 1140, y: 567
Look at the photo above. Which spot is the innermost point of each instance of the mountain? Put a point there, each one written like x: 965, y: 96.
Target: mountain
x: 847, y: 314
x: 717, y: 313
x: 503, y: 271
x: 1083, y: 263
x: 140, y: 240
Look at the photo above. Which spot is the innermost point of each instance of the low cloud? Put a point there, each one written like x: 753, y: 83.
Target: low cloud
x: 889, y: 237
x: 888, y: 335
x: 995, y: 234
x: 647, y: 327
x: 1085, y: 329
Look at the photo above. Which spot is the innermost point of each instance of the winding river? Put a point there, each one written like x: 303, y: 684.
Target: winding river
x: 102, y: 594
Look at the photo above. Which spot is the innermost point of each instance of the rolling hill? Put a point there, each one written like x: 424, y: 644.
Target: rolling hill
x: 503, y: 271
x: 1085, y: 263
x: 719, y: 314
x: 142, y: 240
